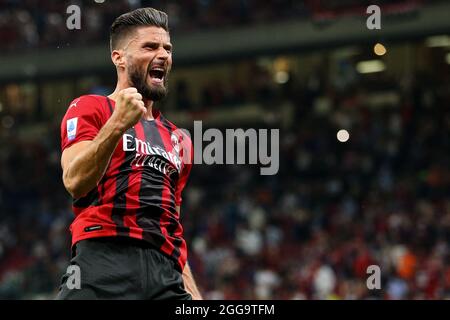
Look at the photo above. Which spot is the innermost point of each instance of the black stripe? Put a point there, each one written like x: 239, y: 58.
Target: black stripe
x: 91, y: 199
x: 150, y: 194
x: 101, y: 195
x: 110, y: 106
x: 119, y: 201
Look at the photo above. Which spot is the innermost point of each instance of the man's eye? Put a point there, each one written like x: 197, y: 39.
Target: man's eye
x: 151, y: 47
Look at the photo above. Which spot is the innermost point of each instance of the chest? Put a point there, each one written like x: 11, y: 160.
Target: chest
x: 149, y: 148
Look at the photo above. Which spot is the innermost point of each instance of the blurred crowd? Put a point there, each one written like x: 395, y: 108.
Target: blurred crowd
x: 43, y: 22
x: 309, y: 232
x: 334, y: 209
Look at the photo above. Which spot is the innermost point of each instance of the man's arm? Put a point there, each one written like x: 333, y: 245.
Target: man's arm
x: 189, y: 283
x: 188, y: 278
x: 85, y: 163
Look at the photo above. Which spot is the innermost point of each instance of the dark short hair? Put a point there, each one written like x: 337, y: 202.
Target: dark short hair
x: 125, y: 24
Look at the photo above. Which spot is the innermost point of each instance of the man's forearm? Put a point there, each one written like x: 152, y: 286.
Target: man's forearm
x: 189, y: 283
x: 88, y: 167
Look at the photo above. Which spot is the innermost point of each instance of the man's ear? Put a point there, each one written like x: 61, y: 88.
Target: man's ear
x: 118, y: 58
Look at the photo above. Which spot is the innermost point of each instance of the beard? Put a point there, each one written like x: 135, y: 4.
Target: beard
x: 138, y: 79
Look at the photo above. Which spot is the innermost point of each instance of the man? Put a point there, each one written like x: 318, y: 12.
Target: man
x: 124, y: 166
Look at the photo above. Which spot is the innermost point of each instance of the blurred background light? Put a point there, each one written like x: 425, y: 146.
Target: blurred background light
x: 343, y: 135
x: 379, y: 49
x: 370, y: 66
x: 438, y: 41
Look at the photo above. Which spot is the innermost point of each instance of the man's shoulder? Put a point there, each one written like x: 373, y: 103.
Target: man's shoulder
x: 174, y: 129
x: 88, y: 98
x: 91, y: 102
x: 167, y: 123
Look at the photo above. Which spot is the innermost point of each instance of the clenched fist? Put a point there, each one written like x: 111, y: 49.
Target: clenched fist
x: 129, y: 108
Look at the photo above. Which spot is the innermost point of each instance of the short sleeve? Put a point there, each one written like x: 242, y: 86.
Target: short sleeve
x: 188, y: 157
x: 82, y: 122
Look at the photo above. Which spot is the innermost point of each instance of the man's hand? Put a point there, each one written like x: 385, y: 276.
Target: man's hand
x: 189, y: 283
x: 129, y: 109
x: 188, y: 278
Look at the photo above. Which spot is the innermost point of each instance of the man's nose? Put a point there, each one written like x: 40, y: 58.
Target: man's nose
x: 162, y: 54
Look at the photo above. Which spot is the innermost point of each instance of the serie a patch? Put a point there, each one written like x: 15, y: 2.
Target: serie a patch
x: 72, y: 128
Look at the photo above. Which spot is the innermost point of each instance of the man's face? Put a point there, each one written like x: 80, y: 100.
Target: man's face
x: 148, y: 62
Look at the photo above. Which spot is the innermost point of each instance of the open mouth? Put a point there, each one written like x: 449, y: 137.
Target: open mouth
x: 157, y: 74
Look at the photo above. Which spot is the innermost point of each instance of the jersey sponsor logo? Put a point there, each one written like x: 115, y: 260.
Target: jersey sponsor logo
x: 147, y: 153
x: 72, y: 128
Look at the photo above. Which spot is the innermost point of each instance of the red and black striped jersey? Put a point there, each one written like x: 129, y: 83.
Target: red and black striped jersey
x: 138, y: 194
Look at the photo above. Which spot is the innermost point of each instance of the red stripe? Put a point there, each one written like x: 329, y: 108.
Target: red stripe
x: 168, y: 246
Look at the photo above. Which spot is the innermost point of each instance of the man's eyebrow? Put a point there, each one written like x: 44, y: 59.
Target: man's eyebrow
x: 153, y: 43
